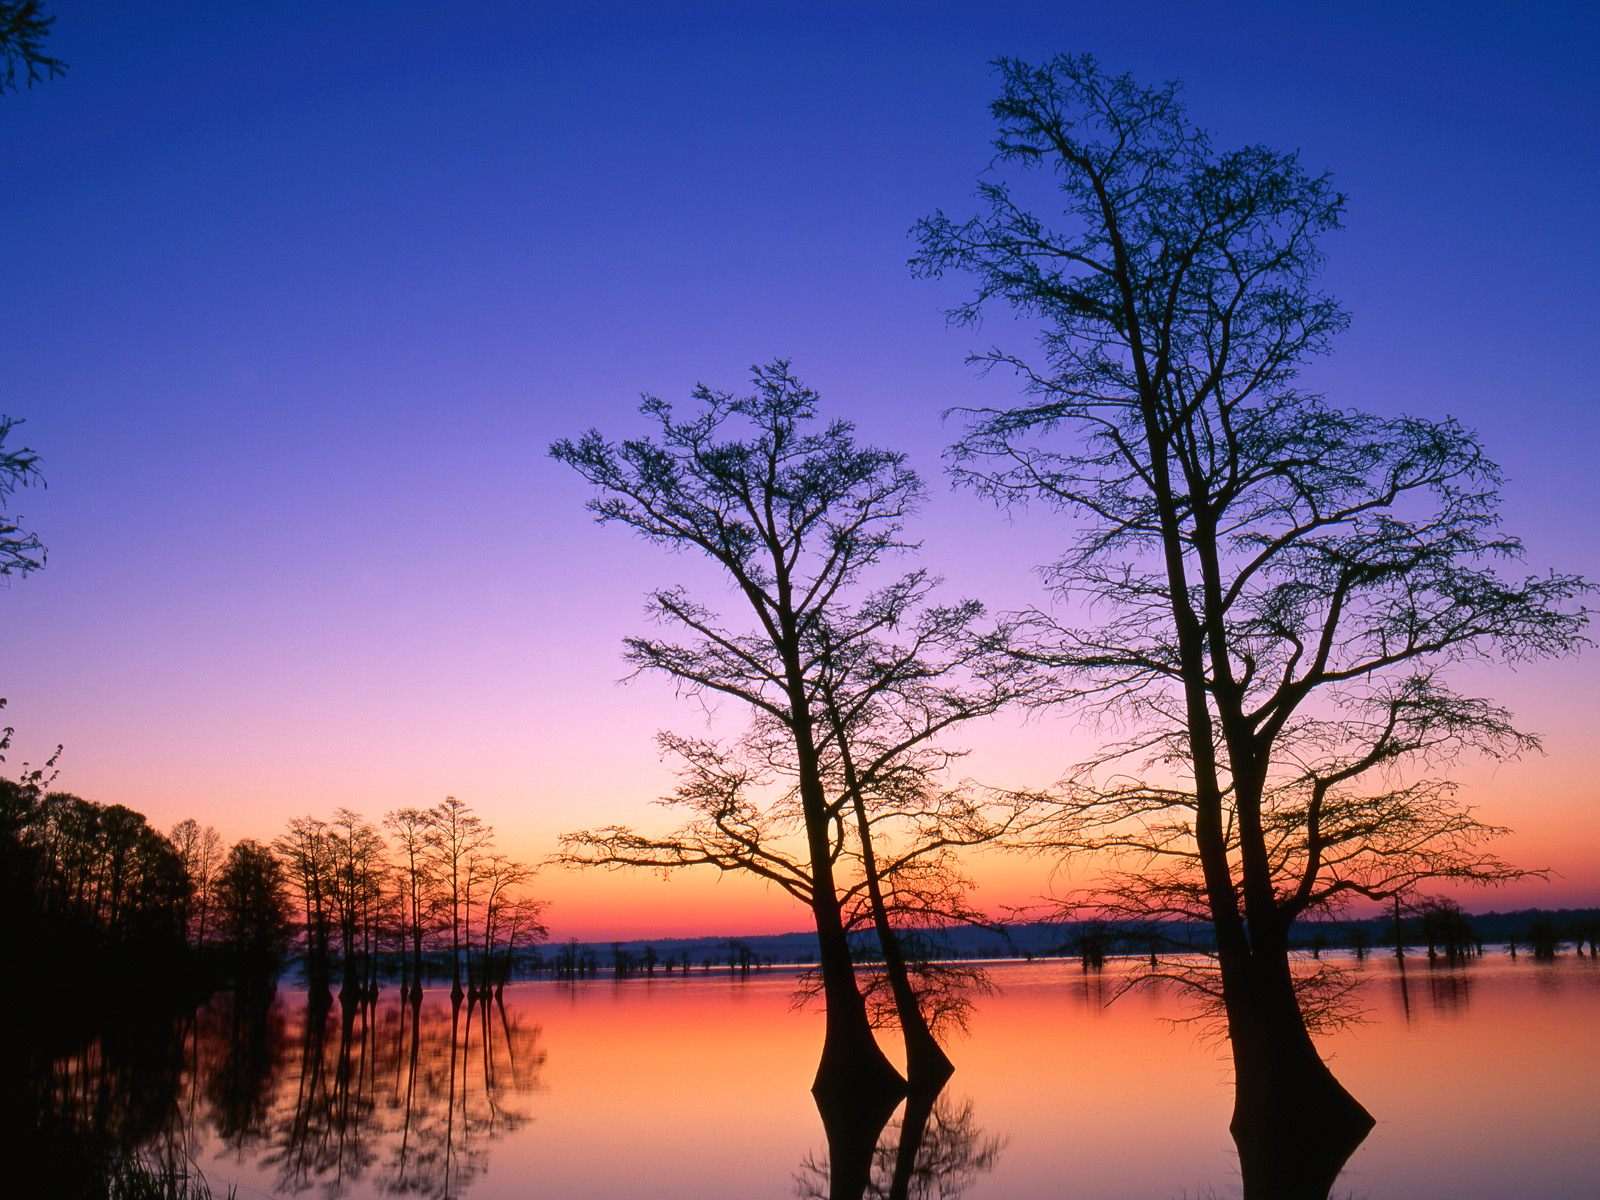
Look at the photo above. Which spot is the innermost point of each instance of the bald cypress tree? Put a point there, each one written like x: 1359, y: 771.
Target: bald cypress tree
x: 1268, y: 591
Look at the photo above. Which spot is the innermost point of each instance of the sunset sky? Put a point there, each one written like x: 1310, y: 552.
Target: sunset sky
x: 296, y: 297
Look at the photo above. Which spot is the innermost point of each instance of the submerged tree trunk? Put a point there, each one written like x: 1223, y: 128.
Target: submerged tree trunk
x: 1294, y: 1123
x: 853, y: 1074
x: 927, y: 1065
x: 853, y: 1071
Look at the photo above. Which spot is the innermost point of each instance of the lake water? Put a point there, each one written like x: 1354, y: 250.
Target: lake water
x: 1484, y: 1079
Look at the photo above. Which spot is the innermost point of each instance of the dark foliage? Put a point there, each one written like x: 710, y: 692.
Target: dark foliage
x: 253, y: 911
x: 90, y: 893
x: 23, y: 29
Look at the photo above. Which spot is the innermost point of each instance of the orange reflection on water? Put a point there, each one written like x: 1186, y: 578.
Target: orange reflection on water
x: 1488, y: 1075
x: 1483, y: 1080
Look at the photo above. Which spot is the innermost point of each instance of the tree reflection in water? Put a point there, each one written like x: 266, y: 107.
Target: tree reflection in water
x: 73, y: 1109
x: 935, y: 1151
x: 405, y: 1098
x: 409, y: 1095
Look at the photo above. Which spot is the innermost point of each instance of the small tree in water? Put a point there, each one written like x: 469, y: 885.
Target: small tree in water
x: 1447, y: 931
x: 1543, y: 939
x: 1270, y: 588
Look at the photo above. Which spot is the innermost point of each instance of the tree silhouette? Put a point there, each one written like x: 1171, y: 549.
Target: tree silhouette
x: 794, y: 514
x: 23, y: 29
x: 253, y: 911
x: 1447, y: 931
x: 357, y: 851
x: 200, y: 850
x: 886, y: 700
x: 91, y: 890
x: 1279, y: 584
x: 419, y: 897
x: 20, y: 550
x: 306, y: 850
x: 455, y: 834
x: 505, y: 915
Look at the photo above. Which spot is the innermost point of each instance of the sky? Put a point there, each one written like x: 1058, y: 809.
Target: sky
x: 295, y: 298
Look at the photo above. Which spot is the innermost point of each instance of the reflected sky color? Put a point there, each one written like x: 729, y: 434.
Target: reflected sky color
x: 1481, y: 1080
x: 296, y: 300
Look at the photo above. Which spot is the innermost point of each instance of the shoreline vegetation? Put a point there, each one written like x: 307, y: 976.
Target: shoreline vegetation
x: 95, y: 894
x: 96, y: 897
x: 1534, y: 934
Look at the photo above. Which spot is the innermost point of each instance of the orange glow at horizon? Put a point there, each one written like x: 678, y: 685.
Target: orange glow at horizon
x: 532, y: 781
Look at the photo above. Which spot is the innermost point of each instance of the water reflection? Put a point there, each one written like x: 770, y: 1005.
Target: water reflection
x: 1449, y: 989
x: 408, y: 1095
x: 697, y: 1090
x: 70, y: 1113
x: 404, y: 1097
x: 243, y: 1039
x: 935, y: 1151
x: 1446, y: 987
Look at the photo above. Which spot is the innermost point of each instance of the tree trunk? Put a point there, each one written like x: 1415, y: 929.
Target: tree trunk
x: 927, y: 1065
x: 1294, y: 1124
x: 853, y: 1074
x: 416, y: 948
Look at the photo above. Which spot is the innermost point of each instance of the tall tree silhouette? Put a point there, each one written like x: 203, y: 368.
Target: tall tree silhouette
x: 306, y: 850
x: 795, y: 513
x: 200, y: 850
x: 455, y: 835
x: 1279, y: 583
x: 895, y: 676
x: 418, y: 889
x: 253, y: 912
x: 358, y: 894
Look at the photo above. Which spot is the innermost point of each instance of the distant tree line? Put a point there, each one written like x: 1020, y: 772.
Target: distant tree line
x: 91, y: 892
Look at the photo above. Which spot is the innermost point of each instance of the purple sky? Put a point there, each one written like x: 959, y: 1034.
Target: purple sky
x: 296, y: 296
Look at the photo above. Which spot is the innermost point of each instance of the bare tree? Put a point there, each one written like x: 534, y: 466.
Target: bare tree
x: 200, y: 849
x: 521, y: 924
x: 1269, y: 589
x: 419, y: 899
x: 306, y: 851
x: 501, y: 880
x: 898, y: 675
x: 884, y: 676
x: 357, y: 854
x: 794, y: 515
x: 455, y: 834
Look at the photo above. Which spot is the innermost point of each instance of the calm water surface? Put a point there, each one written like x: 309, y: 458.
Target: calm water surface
x: 1485, y: 1081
